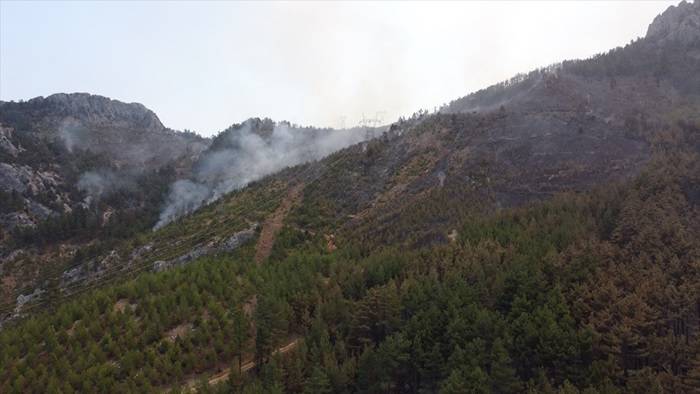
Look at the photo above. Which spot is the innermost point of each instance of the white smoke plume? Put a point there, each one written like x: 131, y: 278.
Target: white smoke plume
x: 71, y: 132
x: 97, y: 184
x: 247, y: 155
x: 185, y: 196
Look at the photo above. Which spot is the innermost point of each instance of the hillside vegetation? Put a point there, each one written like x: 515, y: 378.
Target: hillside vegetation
x: 596, y: 291
x: 541, y: 235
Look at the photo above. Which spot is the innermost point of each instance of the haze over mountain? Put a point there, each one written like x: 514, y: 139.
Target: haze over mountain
x: 541, y: 235
x: 314, y: 64
x: 70, y: 150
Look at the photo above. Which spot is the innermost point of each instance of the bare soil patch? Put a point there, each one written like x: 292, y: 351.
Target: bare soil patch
x: 178, y: 332
x: 273, y: 224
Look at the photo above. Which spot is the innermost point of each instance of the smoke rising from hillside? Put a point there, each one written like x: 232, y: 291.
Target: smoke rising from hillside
x: 246, y: 154
x: 71, y: 132
x: 97, y: 184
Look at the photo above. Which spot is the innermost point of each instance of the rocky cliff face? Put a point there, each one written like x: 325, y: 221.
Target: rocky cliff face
x: 130, y: 135
x: 678, y: 23
x: 68, y: 150
x: 98, y: 111
x: 6, y: 144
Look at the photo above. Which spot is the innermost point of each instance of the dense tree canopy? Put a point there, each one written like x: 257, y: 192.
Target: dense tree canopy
x: 595, y: 292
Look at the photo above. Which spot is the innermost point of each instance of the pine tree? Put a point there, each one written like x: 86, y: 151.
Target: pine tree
x: 294, y: 376
x: 645, y: 381
x: 270, y: 326
x: 455, y: 384
x: 318, y: 382
x: 376, y: 316
x: 478, y: 381
x: 235, y: 379
x: 503, y: 376
x: 239, y: 325
x: 568, y: 388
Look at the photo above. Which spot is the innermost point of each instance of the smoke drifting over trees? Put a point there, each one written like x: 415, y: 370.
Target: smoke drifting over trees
x: 247, y: 152
x: 101, y: 182
x: 71, y: 132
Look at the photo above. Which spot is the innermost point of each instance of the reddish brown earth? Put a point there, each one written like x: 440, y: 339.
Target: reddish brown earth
x: 274, y: 223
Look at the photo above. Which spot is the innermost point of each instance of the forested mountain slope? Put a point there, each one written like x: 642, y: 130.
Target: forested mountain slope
x: 541, y: 235
x: 596, y: 290
x: 80, y: 171
x: 81, y: 175
x: 567, y: 127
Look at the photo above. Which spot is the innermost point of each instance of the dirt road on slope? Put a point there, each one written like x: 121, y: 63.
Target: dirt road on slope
x: 223, y: 375
x: 273, y: 224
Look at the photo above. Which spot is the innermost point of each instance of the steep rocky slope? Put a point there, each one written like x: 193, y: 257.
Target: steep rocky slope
x: 59, y: 150
x: 679, y: 23
x: 84, y: 174
x: 79, y: 171
x: 570, y: 127
x: 430, y: 258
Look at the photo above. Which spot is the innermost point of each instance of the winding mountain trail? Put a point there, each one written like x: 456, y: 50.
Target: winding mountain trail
x: 222, y: 376
x: 274, y: 223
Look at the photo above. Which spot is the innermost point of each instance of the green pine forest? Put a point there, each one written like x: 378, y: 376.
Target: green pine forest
x: 595, y: 292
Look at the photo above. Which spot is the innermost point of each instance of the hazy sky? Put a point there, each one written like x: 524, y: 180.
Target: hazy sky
x: 204, y: 66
